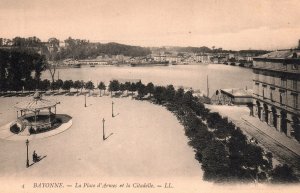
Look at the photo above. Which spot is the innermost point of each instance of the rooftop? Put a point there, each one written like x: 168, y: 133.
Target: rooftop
x: 35, y: 103
x: 238, y: 92
x: 282, y: 54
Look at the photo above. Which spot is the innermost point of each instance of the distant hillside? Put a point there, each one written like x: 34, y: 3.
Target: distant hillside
x: 74, y: 48
x: 194, y: 49
x: 116, y: 49
x: 86, y: 50
x: 204, y: 49
x: 181, y: 49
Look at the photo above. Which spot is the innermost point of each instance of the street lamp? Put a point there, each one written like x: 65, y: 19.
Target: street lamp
x: 103, y: 120
x: 85, y: 100
x: 112, y: 109
x: 27, y: 160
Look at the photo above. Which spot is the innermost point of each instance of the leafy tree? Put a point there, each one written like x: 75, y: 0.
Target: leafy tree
x: 253, y: 156
x: 90, y: 86
x: 114, y: 85
x: 54, y: 42
x: 199, y: 109
x: 213, y: 119
x: 142, y: 90
x: 179, y: 95
x: 19, y: 65
x: 4, y: 63
x: 283, y: 174
x: 269, y: 157
x: 150, y: 88
x: 215, y: 162
x: 77, y: 85
x: 159, y: 94
x: 122, y: 87
x: 67, y: 85
x: 59, y: 83
x: 82, y: 85
x: 188, y: 98
x: 101, y: 86
x: 30, y: 84
x: 132, y: 87
x: 223, y: 129
x: 54, y: 85
x: 170, y: 93
x: 26, y: 42
x: 127, y: 86
x: 44, y: 85
x: 236, y: 145
x: 200, y: 140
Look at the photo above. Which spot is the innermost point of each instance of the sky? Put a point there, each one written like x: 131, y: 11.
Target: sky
x: 229, y: 24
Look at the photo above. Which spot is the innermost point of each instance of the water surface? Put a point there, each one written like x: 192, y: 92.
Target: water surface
x: 195, y: 75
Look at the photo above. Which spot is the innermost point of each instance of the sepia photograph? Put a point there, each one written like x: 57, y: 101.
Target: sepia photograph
x: 171, y: 96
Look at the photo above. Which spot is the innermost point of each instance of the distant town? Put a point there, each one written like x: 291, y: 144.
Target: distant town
x: 76, y: 53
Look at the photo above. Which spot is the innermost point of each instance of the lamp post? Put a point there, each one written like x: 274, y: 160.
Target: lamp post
x: 27, y: 160
x: 85, y: 100
x: 103, y: 136
x: 112, y: 109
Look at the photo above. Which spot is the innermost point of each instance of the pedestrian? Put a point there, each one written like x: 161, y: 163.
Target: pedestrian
x: 35, y: 157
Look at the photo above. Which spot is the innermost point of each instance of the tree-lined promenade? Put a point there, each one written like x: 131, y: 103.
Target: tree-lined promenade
x: 223, y: 150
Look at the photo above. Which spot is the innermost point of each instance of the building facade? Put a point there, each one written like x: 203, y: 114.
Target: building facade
x: 276, y: 91
x: 233, y: 96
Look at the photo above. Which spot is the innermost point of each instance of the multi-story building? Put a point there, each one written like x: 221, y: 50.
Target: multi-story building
x: 159, y: 58
x: 203, y: 58
x: 276, y: 91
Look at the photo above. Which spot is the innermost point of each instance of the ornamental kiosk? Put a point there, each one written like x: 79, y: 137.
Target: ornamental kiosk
x: 36, y: 115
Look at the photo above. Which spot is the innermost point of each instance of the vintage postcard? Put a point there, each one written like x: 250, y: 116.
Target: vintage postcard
x: 150, y: 96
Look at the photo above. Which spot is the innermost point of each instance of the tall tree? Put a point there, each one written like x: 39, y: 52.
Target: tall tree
x: 215, y: 161
x: 113, y: 86
x: 102, y: 86
x: 77, y: 85
x: 90, y: 86
x: 150, y: 88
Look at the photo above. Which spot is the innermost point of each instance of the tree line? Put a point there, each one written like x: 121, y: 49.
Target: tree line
x: 20, y: 68
x: 76, y: 48
x: 82, y: 50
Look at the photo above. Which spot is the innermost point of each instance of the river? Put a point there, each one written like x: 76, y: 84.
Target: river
x: 193, y: 75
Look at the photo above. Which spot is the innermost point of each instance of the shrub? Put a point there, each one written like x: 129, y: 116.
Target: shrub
x: 15, y: 129
x: 283, y: 174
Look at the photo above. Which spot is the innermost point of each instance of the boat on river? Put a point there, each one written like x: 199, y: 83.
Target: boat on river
x: 76, y: 65
x: 141, y: 64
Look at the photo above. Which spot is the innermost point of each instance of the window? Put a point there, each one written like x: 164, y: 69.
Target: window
x: 295, y: 66
x: 295, y: 101
x: 281, y: 98
x: 294, y: 84
x: 271, y: 94
x: 282, y: 82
